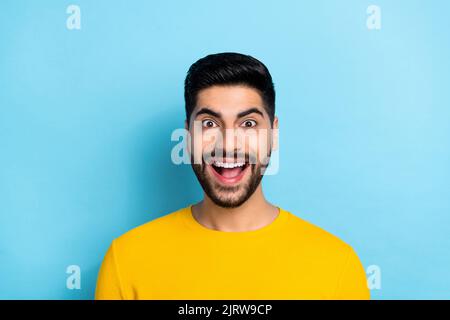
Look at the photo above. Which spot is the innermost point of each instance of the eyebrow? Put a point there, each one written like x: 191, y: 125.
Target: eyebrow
x: 250, y: 111
x: 206, y: 110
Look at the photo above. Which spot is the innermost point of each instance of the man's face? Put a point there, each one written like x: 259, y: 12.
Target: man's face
x: 231, y: 142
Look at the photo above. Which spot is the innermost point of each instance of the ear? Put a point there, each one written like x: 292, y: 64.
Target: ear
x: 188, y: 137
x: 275, y: 142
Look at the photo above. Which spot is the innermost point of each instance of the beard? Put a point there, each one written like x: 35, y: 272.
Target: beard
x: 229, y: 196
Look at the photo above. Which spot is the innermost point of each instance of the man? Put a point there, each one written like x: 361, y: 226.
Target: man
x: 233, y: 244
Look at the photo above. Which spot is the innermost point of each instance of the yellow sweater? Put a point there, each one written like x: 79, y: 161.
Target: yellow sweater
x: 175, y: 257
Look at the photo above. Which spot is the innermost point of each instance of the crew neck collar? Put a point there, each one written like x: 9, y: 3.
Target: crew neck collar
x: 192, y: 223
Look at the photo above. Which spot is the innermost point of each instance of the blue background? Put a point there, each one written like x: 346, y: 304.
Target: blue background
x: 86, y: 117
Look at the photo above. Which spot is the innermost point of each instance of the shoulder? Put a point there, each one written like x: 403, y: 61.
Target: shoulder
x: 307, y: 234
x: 151, y: 232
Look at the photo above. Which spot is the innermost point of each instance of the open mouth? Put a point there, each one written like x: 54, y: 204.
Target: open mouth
x: 229, y: 172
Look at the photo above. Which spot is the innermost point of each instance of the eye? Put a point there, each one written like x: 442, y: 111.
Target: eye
x: 249, y: 123
x: 208, y: 123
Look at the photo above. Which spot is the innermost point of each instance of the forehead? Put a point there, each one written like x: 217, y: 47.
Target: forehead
x: 230, y: 99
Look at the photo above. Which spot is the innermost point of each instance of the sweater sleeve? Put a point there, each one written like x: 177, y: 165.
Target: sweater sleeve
x: 108, y: 281
x: 352, y: 284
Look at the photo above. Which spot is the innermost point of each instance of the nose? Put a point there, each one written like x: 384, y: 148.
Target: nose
x: 232, y: 144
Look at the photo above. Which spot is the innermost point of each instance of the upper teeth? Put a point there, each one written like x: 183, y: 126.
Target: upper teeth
x: 228, y: 165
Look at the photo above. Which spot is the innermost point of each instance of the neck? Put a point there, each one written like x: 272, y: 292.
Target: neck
x: 253, y: 214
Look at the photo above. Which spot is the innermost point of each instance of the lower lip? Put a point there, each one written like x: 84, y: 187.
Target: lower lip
x: 228, y: 181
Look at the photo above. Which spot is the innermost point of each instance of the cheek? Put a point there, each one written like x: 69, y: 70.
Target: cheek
x: 204, y: 143
x: 264, y: 143
x: 257, y: 144
x: 209, y: 142
x: 209, y: 138
x: 196, y: 146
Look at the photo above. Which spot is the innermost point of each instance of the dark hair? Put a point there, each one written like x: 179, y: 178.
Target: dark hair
x: 229, y: 68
